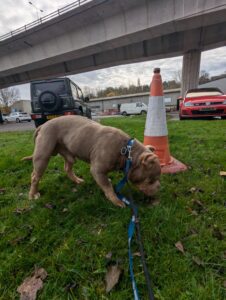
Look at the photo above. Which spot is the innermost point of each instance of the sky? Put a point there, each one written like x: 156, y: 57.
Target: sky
x: 16, y: 13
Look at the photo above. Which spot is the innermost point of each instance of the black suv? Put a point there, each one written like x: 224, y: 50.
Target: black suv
x: 56, y: 97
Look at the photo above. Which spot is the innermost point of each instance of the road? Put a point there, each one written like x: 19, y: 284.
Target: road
x: 25, y: 126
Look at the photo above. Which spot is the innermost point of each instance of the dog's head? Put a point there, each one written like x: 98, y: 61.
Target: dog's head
x: 146, y: 173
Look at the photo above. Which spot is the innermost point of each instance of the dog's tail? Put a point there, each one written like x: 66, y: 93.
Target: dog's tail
x: 27, y: 158
x: 35, y: 136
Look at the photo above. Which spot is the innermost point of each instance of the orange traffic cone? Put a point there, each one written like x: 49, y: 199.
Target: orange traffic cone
x: 156, y: 133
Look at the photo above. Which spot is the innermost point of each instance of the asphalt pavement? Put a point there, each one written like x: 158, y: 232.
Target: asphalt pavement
x: 26, y: 126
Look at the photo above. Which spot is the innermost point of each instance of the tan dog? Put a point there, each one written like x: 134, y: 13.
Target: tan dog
x: 76, y: 137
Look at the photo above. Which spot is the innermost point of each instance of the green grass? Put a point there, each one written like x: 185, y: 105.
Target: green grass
x: 71, y: 245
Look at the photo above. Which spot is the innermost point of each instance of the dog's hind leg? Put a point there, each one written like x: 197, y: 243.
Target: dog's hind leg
x: 69, y: 160
x: 42, y: 153
x: 70, y: 173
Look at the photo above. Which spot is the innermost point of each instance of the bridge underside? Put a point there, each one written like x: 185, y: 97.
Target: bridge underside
x: 105, y: 33
x: 161, y: 47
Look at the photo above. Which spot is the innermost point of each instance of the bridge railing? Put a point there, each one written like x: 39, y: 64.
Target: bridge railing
x: 44, y: 19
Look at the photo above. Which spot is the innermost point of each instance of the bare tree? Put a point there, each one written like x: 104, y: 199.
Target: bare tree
x: 9, y: 95
x: 178, y: 76
x: 204, y: 77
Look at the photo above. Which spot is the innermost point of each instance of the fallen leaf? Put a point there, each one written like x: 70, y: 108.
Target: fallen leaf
x: 222, y: 173
x: 154, y: 202
x: 198, y: 261
x: 112, y: 277
x: 74, y: 190
x: 71, y: 286
x: 218, y: 234
x: 224, y: 284
x: 65, y: 210
x: 50, y: 206
x: 180, y: 247
x: 195, y: 189
x: 108, y: 255
x: 192, y: 190
x: 20, y: 211
x: 198, y: 203
x: 193, y: 212
x: 31, y: 285
x: 137, y: 254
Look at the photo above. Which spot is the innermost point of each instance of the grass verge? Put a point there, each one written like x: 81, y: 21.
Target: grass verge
x: 71, y: 236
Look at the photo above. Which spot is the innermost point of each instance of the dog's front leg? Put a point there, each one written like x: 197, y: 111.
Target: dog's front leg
x: 104, y: 183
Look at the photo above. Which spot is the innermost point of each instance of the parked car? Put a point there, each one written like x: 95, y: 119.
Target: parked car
x: 17, y: 117
x: 137, y: 108
x: 56, y: 97
x: 203, y: 102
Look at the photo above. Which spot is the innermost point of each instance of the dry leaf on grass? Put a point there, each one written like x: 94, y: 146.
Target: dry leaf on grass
x: 112, y: 277
x: 222, y: 173
x: 20, y: 211
x: 108, y: 255
x: 180, y: 247
x: 197, y: 260
x: 31, y: 285
x: 154, y: 202
x: 50, y: 206
x: 217, y: 233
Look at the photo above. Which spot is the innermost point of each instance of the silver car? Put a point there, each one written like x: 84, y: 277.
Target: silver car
x: 18, y: 117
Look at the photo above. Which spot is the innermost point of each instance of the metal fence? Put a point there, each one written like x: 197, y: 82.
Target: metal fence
x: 44, y: 19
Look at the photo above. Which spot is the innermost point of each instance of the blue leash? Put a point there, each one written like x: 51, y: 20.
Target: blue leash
x: 133, y: 222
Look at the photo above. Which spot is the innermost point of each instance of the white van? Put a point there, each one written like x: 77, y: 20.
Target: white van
x: 137, y: 108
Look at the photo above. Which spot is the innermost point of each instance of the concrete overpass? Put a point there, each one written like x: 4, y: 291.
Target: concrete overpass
x: 104, y: 33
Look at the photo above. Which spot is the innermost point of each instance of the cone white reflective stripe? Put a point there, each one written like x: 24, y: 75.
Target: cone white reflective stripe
x: 156, y: 117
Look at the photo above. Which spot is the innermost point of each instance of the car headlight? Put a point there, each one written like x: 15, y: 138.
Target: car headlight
x: 224, y: 102
x: 188, y: 104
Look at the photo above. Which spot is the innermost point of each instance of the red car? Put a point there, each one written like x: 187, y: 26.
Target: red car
x: 202, y: 103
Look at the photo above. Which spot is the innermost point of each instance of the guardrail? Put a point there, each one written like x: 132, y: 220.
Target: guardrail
x: 44, y: 19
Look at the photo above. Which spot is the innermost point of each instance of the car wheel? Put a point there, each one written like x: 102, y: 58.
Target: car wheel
x: 17, y: 120
x: 124, y: 113
x: 143, y: 112
x: 39, y: 122
x: 223, y: 118
x: 181, y: 118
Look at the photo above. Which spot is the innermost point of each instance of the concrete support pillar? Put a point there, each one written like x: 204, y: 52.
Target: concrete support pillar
x: 190, y: 70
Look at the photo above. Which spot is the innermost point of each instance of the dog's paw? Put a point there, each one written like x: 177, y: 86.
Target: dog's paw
x: 34, y: 196
x: 79, y: 180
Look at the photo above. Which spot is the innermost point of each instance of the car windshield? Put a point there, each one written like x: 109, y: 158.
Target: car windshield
x: 57, y: 87
x: 203, y: 93
x: 23, y: 114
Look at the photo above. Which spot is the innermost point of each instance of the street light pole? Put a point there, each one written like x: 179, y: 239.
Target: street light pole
x: 37, y: 9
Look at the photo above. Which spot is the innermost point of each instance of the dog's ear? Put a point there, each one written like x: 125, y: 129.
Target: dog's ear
x: 151, y: 148
x: 147, y: 158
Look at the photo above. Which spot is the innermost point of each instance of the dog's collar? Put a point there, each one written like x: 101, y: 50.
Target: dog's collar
x: 126, y: 150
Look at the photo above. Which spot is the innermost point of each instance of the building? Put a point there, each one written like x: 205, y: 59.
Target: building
x: 21, y: 105
x: 112, y: 104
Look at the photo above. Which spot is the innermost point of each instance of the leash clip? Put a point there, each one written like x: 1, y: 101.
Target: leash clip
x: 129, y: 148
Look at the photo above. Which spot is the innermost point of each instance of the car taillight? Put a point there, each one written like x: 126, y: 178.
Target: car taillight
x: 34, y: 117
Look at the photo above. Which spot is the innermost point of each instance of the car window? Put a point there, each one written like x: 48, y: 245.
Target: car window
x: 202, y: 93
x: 74, y: 91
x: 57, y: 87
x: 80, y: 94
